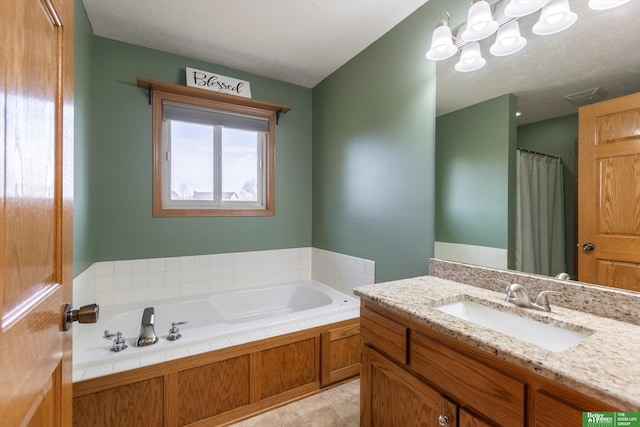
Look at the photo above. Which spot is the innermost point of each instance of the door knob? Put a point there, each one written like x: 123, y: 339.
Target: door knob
x: 85, y: 314
x: 588, y: 247
x: 443, y: 420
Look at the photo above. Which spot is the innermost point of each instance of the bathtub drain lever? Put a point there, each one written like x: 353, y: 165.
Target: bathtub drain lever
x: 174, y: 332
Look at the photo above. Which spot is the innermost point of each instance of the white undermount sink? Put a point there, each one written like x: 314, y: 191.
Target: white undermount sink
x: 551, y: 337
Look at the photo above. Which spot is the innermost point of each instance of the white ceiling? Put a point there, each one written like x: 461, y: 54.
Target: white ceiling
x: 599, y: 50
x: 296, y: 41
x: 304, y: 41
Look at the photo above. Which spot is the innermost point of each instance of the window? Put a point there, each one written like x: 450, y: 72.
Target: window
x: 212, y: 159
x: 213, y: 154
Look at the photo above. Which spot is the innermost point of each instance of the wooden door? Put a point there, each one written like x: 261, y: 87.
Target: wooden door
x: 36, y: 177
x: 392, y: 397
x: 609, y: 193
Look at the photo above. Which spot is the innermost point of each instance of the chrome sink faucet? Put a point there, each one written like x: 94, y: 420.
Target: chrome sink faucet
x: 517, y: 295
x: 147, y: 333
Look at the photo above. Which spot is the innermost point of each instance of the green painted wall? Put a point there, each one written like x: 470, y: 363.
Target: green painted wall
x: 84, y: 206
x: 473, y: 174
x: 558, y: 137
x: 372, y: 158
x: 126, y: 229
x: 373, y: 151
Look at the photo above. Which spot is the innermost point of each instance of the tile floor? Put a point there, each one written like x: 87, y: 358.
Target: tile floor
x: 336, y: 407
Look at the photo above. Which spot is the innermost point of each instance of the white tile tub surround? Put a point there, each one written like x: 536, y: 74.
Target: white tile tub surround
x: 341, y: 272
x: 121, y: 282
x: 478, y: 255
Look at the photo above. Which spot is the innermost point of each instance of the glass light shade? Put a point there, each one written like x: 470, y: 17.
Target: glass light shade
x: 606, y: 4
x: 480, y: 22
x: 508, y: 40
x: 442, y: 46
x: 555, y: 17
x: 519, y: 8
x: 470, y: 58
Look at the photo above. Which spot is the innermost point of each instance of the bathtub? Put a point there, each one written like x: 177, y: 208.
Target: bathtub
x: 214, y: 321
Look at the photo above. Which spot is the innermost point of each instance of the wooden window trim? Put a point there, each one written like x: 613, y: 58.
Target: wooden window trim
x: 159, y: 91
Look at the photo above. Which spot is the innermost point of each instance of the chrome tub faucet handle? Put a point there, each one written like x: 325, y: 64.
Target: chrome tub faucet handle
x: 119, y: 343
x: 174, y: 332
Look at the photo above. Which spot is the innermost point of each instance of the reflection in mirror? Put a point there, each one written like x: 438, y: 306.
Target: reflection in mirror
x: 477, y: 133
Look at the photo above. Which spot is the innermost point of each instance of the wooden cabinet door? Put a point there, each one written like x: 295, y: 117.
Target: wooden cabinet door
x: 468, y: 419
x: 36, y: 195
x: 341, y: 354
x: 609, y: 193
x: 391, y: 397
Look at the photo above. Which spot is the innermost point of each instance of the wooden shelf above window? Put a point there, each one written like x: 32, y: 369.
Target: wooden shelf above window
x: 207, y: 94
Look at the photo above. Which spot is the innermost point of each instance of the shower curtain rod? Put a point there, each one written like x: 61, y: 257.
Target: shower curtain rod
x: 537, y: 152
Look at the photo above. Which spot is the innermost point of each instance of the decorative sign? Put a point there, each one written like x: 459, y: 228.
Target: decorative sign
x: 218, y: 83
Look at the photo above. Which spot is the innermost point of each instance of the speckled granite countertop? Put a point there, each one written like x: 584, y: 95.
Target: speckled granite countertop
x: 604, y: 365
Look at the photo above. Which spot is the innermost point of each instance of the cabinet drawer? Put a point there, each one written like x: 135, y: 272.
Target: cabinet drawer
x: 383, y: 334
x: 498, y: 397
x: 551, y: 411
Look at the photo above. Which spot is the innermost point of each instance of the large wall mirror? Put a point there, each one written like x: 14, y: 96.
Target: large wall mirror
x: 478, y: 134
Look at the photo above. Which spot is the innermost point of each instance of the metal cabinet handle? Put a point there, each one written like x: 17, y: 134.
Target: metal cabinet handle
x: 443, y: 420
x: 588, y: 247
x: 85, y: 314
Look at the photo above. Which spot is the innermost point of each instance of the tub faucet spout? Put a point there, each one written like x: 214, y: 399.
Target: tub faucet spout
x: 147, y: 333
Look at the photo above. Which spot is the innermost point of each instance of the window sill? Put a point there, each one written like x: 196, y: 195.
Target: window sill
x: 185, y: 213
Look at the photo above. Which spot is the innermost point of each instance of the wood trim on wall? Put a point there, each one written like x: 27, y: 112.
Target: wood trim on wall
x: 158, y: 91
x: 154, y: 85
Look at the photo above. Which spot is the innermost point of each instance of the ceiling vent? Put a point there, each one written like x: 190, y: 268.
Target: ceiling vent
x: 586, y: 97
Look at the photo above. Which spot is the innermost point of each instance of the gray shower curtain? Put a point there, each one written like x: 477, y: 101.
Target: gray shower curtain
x: 540, y: 244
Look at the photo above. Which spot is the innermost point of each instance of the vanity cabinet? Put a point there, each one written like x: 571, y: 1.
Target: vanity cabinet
x: 467, y: 419
x: 384, y: 334
x: 413, y: 375
x: 550, y: 410
x: 392, y: 397
x: 502, y: 398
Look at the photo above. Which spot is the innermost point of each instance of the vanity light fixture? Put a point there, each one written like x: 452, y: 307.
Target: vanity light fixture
x: 606, y: 4
x: 520, y: 8
x: 556, y: 16
x: 470, y: 58
x: 508, y: 40
x: 442, y: 46
x: 480, y: 22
